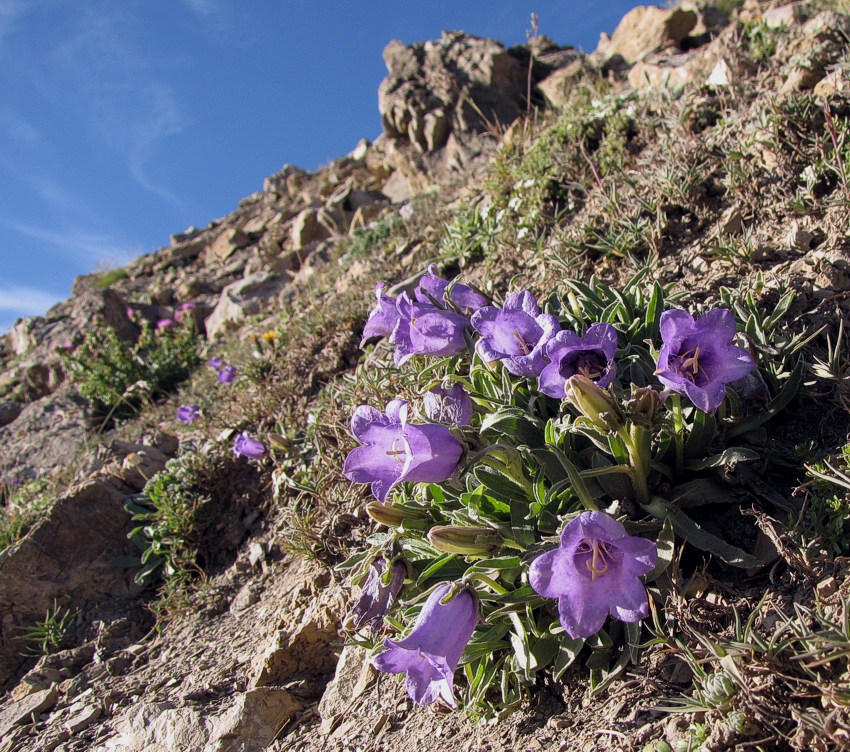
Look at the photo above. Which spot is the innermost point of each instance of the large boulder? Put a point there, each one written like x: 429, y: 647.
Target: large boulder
x: 67, y: 559
x: 644, y: 30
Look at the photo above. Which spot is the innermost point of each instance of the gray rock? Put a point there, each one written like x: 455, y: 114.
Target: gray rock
x: 9, y: 411
x: 307, y: 229
x: 644, y: 30
x: 68, y: 557
x: 47, y: 434
x: 241, y: 299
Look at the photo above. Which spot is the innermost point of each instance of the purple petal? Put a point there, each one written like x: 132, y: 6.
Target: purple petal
x: 675, y: 323
x: 364, y: 418
x: 434, y: 453
x: 522, y: 301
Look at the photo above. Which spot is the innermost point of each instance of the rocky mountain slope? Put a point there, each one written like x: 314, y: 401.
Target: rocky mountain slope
x: 159, y: 593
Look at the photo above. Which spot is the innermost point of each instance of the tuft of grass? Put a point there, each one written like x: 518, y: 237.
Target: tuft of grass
x: 109, y: 278
x: 48, y: 636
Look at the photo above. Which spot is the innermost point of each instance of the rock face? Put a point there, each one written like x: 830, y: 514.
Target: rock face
x: 647, y: 29
x: 439, y: 97
x: 241, y: 299
x: 462, y: 83
x: 67, y: 558
x: 44, y: 435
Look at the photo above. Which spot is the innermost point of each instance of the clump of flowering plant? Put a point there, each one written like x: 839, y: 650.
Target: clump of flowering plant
x: 539, y: 508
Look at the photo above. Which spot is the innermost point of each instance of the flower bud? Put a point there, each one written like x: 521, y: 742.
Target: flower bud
x: 388, y: 514
x: 596, y: 404
x: 454, y: 539
x: 645, y: 404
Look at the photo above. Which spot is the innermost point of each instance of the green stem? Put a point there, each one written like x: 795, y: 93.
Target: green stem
x: 638, y: 464
x: 678, y: 433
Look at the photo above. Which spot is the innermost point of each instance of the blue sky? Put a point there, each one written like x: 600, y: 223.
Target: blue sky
x: 124, y: 121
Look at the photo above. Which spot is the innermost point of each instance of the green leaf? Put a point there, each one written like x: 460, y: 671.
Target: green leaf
x: 514, y: 424
x: 699, y: 493
x: 701, y: 435
x: 728, y: 458
x: 775, y: 406
x: 666, y: 545
x: 568, y: 652
x: 686, y: 527
x: 434, y: 568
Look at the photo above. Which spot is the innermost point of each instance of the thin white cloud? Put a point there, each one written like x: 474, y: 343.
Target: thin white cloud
x: 16, y: 128
x: 120, y: 92
x: 89, y: 247
x: 203, y: 8
x: 27, y: 301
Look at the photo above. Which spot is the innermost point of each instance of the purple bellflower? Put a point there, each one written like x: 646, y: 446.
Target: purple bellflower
x: 449, y: 405
x: 595, y: 572
x: 394, y: 451
x: 382, y: 318
x: 515, y: 334
x: 164, y: 324
x: 188, y: 413
x: 245, y: 446
x: 432, y: 289
x: 571, y: 355
x: 227, y: 374
x: 377, y: 596
x: 216, y: 364
x: 698, y: 358
x: 425, y: 329
x: 429, y: 654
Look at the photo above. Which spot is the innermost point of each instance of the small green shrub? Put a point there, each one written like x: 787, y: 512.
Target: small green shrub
x: 116, y: 376
x: 168, y: 512
x: 826, y: 519
x: 25, y: 505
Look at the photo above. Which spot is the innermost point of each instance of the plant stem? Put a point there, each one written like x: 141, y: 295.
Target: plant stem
x: 678, y: 433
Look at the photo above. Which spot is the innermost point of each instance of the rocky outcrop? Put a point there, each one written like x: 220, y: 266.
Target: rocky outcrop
x: 67, y: 559
x: 644, y: 30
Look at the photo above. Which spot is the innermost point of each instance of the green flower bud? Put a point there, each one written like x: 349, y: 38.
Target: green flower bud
x: 596, y: 404
x: 454, y: 539
x: 387, y: 514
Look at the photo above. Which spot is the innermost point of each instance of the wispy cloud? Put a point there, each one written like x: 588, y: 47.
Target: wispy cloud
x: 27, y: 301
x: 88, y: 247
x: 120, y: 92
x: 16, y: 128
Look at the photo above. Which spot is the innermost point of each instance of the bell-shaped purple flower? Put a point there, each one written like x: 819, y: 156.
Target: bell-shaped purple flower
x: 245, y: 446
x: 595, y: 572
x: 227, y: 374
x: 376, y: 595
x: 164, y: 324
x: 698, y: 358
x: 571, y: 355
x: 188, y: 413
x: 394, y: 451
x: 216, y: 364
x: 515, y: 334
x: 432, y: 289
x: 382, y: 318
x: 424, y: 329
x: 430, y: 653
x: 448, y: 405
